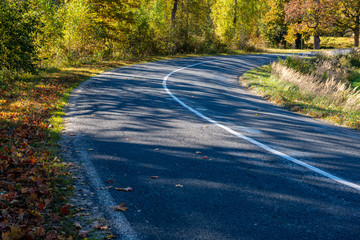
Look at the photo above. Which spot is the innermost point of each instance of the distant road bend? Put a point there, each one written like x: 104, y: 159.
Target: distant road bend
x: 230, y: 165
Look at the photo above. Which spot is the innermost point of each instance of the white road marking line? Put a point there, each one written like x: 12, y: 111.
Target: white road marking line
x: 201, y: 109
x: 118, y: 220
x: 259, y: 144
x: 252, y: 131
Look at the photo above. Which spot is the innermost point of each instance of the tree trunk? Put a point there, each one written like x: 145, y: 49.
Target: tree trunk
x: 356, y: 31
x: 235, y: 13
x: 173, y: 13
x: 317, y: 41
x: 298, y: 41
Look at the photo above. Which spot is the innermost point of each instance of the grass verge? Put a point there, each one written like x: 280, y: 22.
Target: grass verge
x: 260, y: 81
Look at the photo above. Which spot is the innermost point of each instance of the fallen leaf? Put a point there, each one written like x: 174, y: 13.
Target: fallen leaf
x: 110, y: 237
x: 52, y: 235
x: 90, y: 149
x: 120, y: 207
x: 41, y: 206
x: 179, y: 185
x: 103, y: 188
x: 15, y: 233
x: 197, y: 152
x: 128, y: 189
x: 154, y: 177
x: 65, y: 210
x: 33, y: 197
x: 105, y: 227
x: 205, y: 157
x: 156, y: 149
x: 83, y: 233
x: 77, y: 225
x: 33, y: 160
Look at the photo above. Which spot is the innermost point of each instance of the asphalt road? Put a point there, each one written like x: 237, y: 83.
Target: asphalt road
x: 223, y: 157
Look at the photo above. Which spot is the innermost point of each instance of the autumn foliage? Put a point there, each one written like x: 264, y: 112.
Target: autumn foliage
x: 30, y: 173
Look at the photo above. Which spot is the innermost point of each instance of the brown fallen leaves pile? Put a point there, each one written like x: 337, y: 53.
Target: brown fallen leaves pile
x: 31, y: 201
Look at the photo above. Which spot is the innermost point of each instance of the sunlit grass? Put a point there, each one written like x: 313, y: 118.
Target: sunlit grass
x: 290, y: 96
x: 333, y: 42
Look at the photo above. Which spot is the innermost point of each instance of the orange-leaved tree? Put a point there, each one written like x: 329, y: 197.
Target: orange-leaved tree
x: 309, y: 17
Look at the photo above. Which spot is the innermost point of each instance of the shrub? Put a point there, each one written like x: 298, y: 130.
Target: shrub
x: 17, y: 28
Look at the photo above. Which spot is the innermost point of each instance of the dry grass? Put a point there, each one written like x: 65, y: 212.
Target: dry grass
x: 332, y: 91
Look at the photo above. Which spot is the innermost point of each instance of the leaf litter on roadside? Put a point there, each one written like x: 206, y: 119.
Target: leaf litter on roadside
x: 103, y: 188
x: 127, y: 189
x: 99, y: 227
x: 120, y: 207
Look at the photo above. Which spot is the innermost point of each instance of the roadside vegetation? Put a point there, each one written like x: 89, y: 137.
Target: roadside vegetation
x: 324, y: 86
x: 48, y: 47
x: 34, y: 182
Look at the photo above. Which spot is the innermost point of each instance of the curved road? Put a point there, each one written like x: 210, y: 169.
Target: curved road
x: 229, y: 164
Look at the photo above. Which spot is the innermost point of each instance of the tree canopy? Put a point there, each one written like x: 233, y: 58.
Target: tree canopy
x: 68, y: 30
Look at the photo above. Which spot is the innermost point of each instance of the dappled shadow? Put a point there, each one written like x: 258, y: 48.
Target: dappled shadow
x: 213, y: 185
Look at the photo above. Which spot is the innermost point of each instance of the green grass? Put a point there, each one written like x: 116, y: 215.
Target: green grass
x: 355, y: 79
x: 261, y: 82
x: 332, y: 42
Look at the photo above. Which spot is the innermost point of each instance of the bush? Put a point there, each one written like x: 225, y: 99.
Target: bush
x: 17, y: 28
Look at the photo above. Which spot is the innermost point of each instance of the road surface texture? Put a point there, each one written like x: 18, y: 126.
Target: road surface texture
x: 230, y: 165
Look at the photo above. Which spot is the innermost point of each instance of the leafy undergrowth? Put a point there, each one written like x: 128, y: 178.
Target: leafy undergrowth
x: 34, y: 183
x: 290, y: 96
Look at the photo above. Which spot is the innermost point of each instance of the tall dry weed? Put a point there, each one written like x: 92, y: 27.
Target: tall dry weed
x: 332, y: 91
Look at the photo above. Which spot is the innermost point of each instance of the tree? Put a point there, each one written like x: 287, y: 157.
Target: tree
x: 350, y: 16
x: 275, y: 25
x: 237, y: 20
x: 49, y: 34
x: 309, y: 16
x: 17, y: 29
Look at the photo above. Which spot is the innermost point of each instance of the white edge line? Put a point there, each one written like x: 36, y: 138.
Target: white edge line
x: 259, y: 144
x: 118, y: 220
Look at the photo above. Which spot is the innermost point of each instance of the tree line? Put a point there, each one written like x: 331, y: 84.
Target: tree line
x: 290, y: 21
x: 34, y: 31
